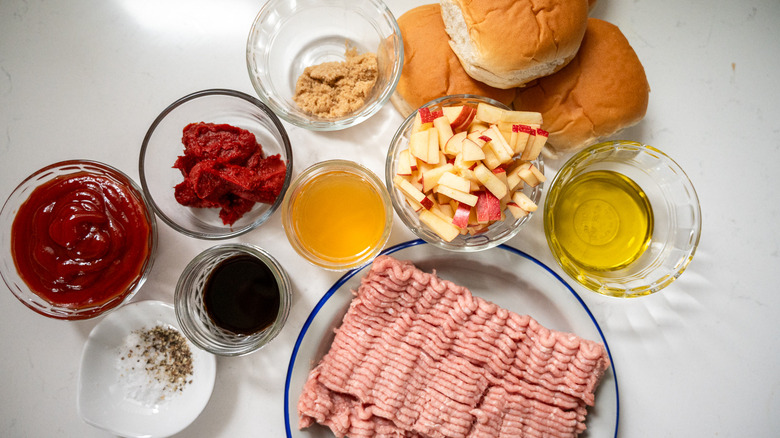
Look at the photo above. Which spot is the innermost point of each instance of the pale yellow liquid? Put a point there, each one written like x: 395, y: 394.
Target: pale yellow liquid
x: 338, y: 216
x: 603, y: 221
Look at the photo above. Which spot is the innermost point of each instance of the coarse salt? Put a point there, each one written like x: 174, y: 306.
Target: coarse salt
x: 154, y: 366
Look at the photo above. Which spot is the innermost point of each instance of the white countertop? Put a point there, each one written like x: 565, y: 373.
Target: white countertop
x: 82, y: 79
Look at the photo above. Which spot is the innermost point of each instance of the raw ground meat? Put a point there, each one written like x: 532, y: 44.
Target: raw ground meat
x: 418, y: 356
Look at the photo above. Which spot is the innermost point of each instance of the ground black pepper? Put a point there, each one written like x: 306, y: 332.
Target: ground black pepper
x: 165, y: 356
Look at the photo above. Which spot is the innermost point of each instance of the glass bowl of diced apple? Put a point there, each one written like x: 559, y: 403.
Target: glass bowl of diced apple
x: 465, y: 172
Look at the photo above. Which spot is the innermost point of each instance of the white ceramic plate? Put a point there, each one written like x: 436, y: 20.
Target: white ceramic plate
x: 103, y: 403
x: 503, y: 275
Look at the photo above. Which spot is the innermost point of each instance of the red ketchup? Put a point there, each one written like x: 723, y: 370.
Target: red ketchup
x: 80, y: 240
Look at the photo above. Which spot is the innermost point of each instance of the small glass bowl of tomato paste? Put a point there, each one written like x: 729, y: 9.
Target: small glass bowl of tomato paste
x: 78, y: 239
x: 215, y: 164
x: 324, y: 65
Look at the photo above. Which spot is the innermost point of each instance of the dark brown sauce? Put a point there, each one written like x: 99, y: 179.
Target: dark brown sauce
x: 242, y: 295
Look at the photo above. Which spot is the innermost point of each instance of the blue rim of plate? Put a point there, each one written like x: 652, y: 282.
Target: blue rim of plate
x: 416, y: 242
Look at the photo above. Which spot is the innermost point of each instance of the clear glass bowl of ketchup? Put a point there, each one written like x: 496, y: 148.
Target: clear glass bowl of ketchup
x: 78, y: 240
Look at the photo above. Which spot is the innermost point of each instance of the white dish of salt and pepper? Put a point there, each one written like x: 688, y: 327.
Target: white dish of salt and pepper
x: 140, y: 377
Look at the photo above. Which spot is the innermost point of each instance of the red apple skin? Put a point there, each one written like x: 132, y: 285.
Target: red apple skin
x: 522, y: 128
x: 499, y: 169
x: 426, y: 203
x: 464, y: 118
x: 461, y: 217
x: 488, y: 206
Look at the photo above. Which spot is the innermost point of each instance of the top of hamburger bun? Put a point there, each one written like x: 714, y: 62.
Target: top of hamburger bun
x: 507, y: 43
x: 602, y: 91
x: 431, y: 70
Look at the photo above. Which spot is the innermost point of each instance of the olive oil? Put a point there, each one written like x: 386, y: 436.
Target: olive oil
x: 603, y: 221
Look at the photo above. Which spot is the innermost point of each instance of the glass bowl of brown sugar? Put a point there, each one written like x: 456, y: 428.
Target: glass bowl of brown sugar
x: 324, y: 65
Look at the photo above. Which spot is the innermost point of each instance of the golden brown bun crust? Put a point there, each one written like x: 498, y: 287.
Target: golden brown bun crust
x: 431, y: 70
x: 603, y: 90
x: 507, y: 43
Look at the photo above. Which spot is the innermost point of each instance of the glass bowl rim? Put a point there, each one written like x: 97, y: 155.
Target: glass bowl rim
x: 42, y: 306
x: 592, y: 282
x: 285, y: 146
x: 260, y: 339
x: 399, y: 204
x: 316, y: 170
x: 317, y: 124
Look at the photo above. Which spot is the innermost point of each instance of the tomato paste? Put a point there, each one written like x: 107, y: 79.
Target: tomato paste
x: 80, y: 240
x: 225, y: 167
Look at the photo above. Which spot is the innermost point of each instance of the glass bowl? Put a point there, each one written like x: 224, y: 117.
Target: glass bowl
x: 657, y: 208
x: 85, y: 212
x: 497, y: 233
x: 193, y: 315
x: 337, y: 215
x: 162, y: 145
x: 286, y: 37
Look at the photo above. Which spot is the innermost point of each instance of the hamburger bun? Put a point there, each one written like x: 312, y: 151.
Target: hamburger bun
x: 507, y: 43
x: 602, y: 91
x: 431, y: 70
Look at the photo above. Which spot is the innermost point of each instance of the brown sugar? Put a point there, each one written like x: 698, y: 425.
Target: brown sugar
x: 335, y: 89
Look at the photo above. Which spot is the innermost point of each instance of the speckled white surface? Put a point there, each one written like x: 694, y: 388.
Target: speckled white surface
x: 85, y: 79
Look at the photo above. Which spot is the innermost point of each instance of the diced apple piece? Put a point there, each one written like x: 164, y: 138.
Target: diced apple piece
x: 530, y: 174
x: 523, y: 201
x: 404, y: 166
x: 456, y: 182
x: 520, y: 135
x: 444, y: 229
x: 461, y: 217
x: 538, y: 174
x: 443, y: 130
x: 500, y: 147
x: 445, y: 208
x: 441, y: 214
x: 488, y: 207
x: 471, y: 151
x: 428, y: 152
x: 477, y: 126
x: 513, y: 180
x: 418, y: 125
x: 466, y: 198
x: 418, y: 144
x: 500, y: 172
x: 533, y: 150
x: 490, y: 181
x: 521, y: 118
x: 416, y: 206
x: 488, y: 113
x: 431, y: 177
x: 490, y: 160
x: 454, y: 144
x: 464, y: 118
x: 516, y: 211
x: 452, y: 112
x: 428, y: 116
x: 477, y: 138
x: 412, y: 192
x: 461, y: 164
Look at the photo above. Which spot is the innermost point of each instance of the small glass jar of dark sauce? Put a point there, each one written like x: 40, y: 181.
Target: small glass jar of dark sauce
x: 232, y: 299
x: 241, y: 295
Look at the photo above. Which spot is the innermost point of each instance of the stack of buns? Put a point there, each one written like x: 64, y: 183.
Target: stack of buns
x: 546, y: 56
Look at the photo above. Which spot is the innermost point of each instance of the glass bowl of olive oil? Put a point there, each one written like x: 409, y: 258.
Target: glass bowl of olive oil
x: 622, y: 219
